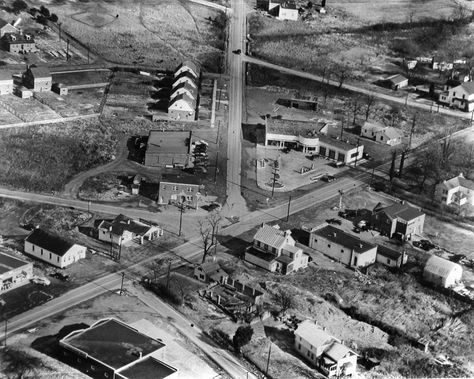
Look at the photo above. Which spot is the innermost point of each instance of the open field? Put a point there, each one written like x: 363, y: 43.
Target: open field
x: 152, y: 32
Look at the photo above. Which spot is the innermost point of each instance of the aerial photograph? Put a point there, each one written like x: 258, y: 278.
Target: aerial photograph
x: 236, y: 189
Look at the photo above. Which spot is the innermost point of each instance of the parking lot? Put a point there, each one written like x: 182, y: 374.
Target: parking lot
x: 296, y: 169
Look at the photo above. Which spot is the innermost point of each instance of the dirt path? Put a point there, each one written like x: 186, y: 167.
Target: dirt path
x: 71, y: 189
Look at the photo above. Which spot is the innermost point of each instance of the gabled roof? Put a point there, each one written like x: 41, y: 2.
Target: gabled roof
x: 392, y: 133
x: 187, y: 75
x: 440, y: 266
x: 343, y: 238
x: 337, y: 351
x: 40, y: 72
x: 312, y: 333
x: 5, y: 23
x: 190, y: 65
x: 389, y: 131
x: 459, y: 181
x: 373, y: 126
x: 48, y: 241
x: 210, y: 267
x: 396, y: 79
x: 17, y: 38
x: 123, y: 223
x: 187, y: 87
x: 183, y: 99
x: 468, y: 87
x: 400, y: 210
x: 271, y: 236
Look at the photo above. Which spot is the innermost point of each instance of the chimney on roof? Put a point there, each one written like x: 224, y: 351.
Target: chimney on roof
x: 360, y: 245
x: 140, y: 355
x: 402, y: 201
x: 287, y: 233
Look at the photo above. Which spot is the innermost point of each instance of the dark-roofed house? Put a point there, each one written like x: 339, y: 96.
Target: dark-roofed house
x: 53, y: 249
x: 182, y: 108
x: 210, y: 272
x: 397, y: 81
x: 123, y: 230
x: 184, y: 77
x: 390, y: 257
x: 18, y: 42
x: 457, y: 191
x: 342, y: 246
x: 324, y: 351
x: 6, y: 27
x: 38, y: 79
x: 13, y: 272
x: 398, y: 219
x: 274, y: 250
x: 168, y: 149
x: 461, y: 97
x: 112, y: 349
x: 176, y: 188
x: 6, y: 82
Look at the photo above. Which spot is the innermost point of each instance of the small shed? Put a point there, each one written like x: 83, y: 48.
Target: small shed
x: 396, y: 82
x: 441, y: 272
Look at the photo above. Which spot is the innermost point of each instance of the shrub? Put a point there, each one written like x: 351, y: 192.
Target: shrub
x: 167, y: 293
x: 242, y: 337
x: 19, y: 6
x: 220, y: 337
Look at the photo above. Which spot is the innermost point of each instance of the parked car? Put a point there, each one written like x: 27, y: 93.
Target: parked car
x: 328, y: 178
x: 238, y: 51
x: 356, y: 230
x: 424, y: 244
x: 40, y: 280
x: 334, y: 221
x: 60, y: 276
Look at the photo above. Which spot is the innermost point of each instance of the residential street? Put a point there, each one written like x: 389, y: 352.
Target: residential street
x: 235, y: 204
x: 403, y: 101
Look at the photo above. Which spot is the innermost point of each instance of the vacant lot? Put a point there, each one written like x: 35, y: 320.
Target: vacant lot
x: 159, y: 33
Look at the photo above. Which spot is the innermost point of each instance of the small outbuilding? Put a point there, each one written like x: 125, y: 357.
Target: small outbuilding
x: 396, y: 82
x: 441, y: 272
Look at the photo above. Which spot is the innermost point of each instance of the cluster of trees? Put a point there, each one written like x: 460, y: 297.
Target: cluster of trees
x: 44, y: 15
x: 441, y: 161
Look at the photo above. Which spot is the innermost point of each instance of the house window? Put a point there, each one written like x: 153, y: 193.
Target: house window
x: 454, y: 94
x: 189, y: 189
x: 57, y: 258
x: 265, y: 246
x: 342, y: 250
x: 50, y: 256
x: 33, y: 248
x: 381, y: 138
x: 389, y: 261
x: 445, y: 192
x: 299, y: 346
x: 353, y: 155
x: 308, y: 353
x: 315, y: 240
x: 175, y: 188
x: 329, y: 245
x: 274, y: 250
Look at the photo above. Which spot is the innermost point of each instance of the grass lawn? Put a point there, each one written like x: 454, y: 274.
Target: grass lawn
x: 158, y: 33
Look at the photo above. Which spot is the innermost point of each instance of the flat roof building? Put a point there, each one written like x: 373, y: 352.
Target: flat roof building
x: 112, y: 349
x: 168, y: 149
x: 14, y: 272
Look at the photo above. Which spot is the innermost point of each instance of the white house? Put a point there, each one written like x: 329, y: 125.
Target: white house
x: 184, y: 88
x: 283, y: 9
x: 341, y: 246
x: 182, y: 108
x: 123, y: 230
x: 210, y: 272
x: 184, y: 77
x: 461, y: 97
x: 274, y: 250
x: 14, y: 272
x: 380, y: 133
x: 457, y: 191
x: 188, y: 66
x: 390, y: 257
x: 53, y: 249
x: 324, y: 351
x: 441, y: 272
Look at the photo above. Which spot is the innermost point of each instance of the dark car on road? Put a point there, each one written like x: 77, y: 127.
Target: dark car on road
x: 238, y: 51
x: 424, y: 244
x: 334, y: 221
x: 328, y: 178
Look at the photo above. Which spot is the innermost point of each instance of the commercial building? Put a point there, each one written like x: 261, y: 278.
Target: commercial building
x: 18, y: 43
x: 274, y: 250
x: 112, y: 349
x: 168, y: 149
x: 53, y: 249
x: 305, y: 137
x: 123, y: 230
x: 327, y: 353
x: 399, y: 219
x: 38, y: 79
x: 342, y: 247
x: 14, y: 272
x: 177, y: 188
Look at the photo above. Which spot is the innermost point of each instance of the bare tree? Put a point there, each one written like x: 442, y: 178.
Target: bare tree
x: 391, y: 173
x: 284, y: 300
x: 18, y: 364
x: 369, y: 103
x: 208, y: 230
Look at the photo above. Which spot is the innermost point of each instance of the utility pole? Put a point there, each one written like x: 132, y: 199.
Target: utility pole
x: 120, y: 249
x: 59, y: 25
x: 6, y: 330
x: 357, y: 152
x: 372, y: 177
x: 121, y: 287
x: 276, y: 169
x: 268, y: 359
x: 288, y: 211
x: 67, y: 51
x: 340, y: 199
x: 216, y: 170
x: 168, y: 275
x: 181, y: 209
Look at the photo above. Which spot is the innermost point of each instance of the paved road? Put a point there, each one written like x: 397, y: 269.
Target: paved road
x: 235, y: 202
x: 212, y: 5
x: 354, y: 88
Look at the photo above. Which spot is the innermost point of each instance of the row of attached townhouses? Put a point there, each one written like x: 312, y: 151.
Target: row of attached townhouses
x: 185, y: 92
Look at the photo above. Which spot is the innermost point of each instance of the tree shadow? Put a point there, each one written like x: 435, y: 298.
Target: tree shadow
x: 283, y: 338
x: 254, y: 133
x: 301, y: 236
